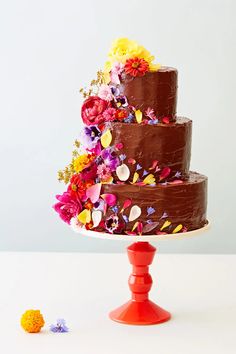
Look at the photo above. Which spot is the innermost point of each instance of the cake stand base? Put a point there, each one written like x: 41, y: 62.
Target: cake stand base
x: 140, y: 313
x: 140, y: 310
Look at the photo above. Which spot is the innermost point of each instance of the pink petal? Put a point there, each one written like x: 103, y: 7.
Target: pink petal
x: 110, y: 199
x: 140, y: 228
x: 93, y: 192
x: 154, y: 165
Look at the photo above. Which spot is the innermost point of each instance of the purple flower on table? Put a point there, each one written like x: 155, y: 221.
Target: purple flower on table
x: 59, y: 327
x: 110, y: 159
x: 68, y: 206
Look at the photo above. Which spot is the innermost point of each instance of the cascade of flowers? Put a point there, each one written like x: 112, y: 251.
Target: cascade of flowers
x: 95, y: 161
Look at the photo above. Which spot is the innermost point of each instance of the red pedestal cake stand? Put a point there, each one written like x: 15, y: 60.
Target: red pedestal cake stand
x: 140, y: 310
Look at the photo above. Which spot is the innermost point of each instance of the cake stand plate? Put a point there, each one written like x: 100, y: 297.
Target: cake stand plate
x: 140, y: 310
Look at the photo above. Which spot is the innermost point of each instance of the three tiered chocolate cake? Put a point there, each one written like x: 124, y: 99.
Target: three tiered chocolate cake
x: 130, y: 171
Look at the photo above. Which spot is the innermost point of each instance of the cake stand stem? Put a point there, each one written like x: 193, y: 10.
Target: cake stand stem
x: 140, y: 310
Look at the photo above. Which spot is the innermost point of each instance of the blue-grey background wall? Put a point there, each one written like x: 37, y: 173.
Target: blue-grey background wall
x: 51, y: 48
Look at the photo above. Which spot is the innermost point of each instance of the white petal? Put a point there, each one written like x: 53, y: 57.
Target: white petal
x: 123, y: 172
x: 75, y: 225
x: 135, y: 212
x: 96, y: 217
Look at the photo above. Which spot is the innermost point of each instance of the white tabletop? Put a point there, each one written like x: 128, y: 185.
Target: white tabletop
x: 199, y: 291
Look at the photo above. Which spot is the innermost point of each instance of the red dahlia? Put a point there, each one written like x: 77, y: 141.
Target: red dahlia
x: 136, y: 66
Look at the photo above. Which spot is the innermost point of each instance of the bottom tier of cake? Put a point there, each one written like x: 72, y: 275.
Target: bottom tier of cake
x: 170, y: 208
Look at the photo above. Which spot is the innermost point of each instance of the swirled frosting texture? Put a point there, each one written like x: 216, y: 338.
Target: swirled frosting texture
x: 169, y: 144
x: 156, y: 90
x: 184, y: 203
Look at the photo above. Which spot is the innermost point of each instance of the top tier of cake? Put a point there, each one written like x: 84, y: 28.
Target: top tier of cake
x: 156, y: 90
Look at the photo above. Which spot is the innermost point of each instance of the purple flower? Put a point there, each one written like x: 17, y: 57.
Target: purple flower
x: 112, y: 223
x: 115, y: 90
x: 164, y: 215
x: 110, y: 159
x: 121, y: 101
x: 125, y: 217
x: 68, y: 206
x: 90, y: 135
x: 145, y: 173
x: 178, y: 174
x: 122, y: 157
x: 138, y: 167
x: 150, y: 211
x: 60, y: 326
x: 115, y: 209
x: 129, y: 119
x: 153, y: 122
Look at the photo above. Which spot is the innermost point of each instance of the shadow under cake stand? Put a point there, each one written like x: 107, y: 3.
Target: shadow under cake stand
x: 140, y: 310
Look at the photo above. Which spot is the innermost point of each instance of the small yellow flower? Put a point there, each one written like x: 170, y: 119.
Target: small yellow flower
x: 80, y: 162
x: 32, y: 321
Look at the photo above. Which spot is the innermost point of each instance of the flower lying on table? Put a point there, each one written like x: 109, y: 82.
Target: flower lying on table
x: 59, y: 327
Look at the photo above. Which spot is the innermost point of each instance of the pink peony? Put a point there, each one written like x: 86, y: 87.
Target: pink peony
x: 68, y: 206
x: 92, y: 110
x: 109, y: 114
x: 105, y: 93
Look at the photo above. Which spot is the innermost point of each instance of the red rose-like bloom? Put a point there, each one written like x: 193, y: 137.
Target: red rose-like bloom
x: 92, y: 110
x: 136, y: 66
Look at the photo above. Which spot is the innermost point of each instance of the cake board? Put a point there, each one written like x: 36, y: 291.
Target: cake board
x: 140, y: 310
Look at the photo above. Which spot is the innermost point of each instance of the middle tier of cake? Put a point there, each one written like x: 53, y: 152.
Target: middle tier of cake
x: 164, y: 145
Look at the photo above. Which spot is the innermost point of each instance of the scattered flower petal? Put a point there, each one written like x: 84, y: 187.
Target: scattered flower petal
x: 165, y: 173
x: 138, y: 116
x: 96, y: 217
x: 125, y: 218
x: 138, y: 167
x: 85, y: 216
x: 165, y: 225
x: 135, y: 177
x: 154, y: 165
x: 127, y: 203
x: 119, y: 146
x: 123, y: 172
x: 131, y: 161
x: 135, y: 212
x: 166, y: 120
x: 122, y: 157
x: 106, y: 138
x: 115, y: 209
x: 93, y: 192
x: 150, y: 226
x: 110, y: 199
x: 164, y: 215
x: 177, y: 229
x: 150, y: 179
x: 150, y: 211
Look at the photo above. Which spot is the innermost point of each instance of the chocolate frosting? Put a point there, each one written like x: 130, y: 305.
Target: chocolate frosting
x: 184, y: 203
x: 156, y: 90
x: 169, y: 144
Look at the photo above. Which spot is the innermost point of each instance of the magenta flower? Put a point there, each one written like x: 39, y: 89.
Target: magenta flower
x: 109, y: 114
x: 68, y: 206
x: 110, y: 159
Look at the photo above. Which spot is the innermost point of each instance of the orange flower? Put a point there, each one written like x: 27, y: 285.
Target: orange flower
x: 136, y: 66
